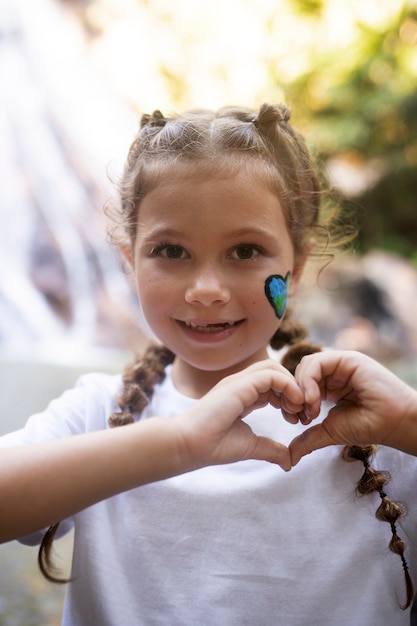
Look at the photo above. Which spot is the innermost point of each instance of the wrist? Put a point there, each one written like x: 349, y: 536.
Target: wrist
x: 404, y: 437
x: 168, y: 452
x: 187, y: 451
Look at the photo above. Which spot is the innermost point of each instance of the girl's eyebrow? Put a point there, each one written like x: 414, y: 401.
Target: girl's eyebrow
x: 252, y: 231
x: 158, y: 232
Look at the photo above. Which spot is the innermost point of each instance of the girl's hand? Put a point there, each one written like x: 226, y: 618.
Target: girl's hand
x: 213, y: 431
x: 372, y: 405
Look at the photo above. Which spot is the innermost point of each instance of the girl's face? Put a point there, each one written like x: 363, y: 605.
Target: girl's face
x: 203, y: 249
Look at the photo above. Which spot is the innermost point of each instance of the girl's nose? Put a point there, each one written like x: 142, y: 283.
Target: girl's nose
x: 207, y: 287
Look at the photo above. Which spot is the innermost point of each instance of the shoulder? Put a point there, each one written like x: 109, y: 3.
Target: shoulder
x: 91, y: 390
x: 89, y: 404
x: 99, y: 383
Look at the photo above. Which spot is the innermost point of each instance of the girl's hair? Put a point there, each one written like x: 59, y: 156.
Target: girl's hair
x: 209, y: 143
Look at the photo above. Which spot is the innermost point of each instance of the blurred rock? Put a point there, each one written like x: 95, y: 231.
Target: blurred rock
x: 364, y: 303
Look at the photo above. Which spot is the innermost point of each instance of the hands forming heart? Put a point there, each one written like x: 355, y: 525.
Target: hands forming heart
x: 370, y: 405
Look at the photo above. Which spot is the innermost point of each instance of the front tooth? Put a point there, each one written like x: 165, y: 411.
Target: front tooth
x: 202, y: 327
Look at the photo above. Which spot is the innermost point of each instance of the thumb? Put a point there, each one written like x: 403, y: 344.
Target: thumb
x: 267, y: 449
x: 311, y: 439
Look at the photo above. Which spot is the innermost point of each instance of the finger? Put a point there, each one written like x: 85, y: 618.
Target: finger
x: 308, y: 377
x: 265, y: 383
x: 293, y: 405
x: 267, y: 449
x: 305, y: 417
x: 311, y: 439
x: 280, y: 401
x: 298, y: 414
x: 291, y: 418
x: 291, y: 397
x: 330, y: 374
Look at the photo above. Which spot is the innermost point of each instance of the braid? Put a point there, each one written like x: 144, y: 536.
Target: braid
x: 292, y: 333
x: 45, y: 557
x: 388, y: 511
x: 139, y: 379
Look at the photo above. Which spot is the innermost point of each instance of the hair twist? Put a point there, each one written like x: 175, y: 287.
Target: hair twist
x: 156, y: 119
x: 388, y: 511
x: 271, y: 114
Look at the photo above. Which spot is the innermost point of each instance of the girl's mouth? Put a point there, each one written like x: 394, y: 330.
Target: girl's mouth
x: 210, y: 327
x: 208, y: 331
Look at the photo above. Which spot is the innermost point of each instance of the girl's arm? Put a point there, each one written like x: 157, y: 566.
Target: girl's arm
x: 43, y: 483
x: 372, y: 405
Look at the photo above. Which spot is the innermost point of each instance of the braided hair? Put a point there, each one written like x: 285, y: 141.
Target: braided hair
x: 388, y: 511
x: 229, y: 138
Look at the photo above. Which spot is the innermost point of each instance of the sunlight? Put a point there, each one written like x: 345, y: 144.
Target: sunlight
x: 179, y: 54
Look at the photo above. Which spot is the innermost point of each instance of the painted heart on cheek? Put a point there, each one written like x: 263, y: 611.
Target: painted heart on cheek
x: 276, y: 290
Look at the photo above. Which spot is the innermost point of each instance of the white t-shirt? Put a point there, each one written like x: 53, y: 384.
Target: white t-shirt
x: 240, y: 544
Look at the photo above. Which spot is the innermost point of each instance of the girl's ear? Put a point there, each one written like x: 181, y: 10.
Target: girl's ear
x: 127, y: 254
x: 127, y: 259
x: 299, y: 264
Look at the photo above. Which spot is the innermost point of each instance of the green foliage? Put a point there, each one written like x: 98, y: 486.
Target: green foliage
x: 308, y: 7
x: 360, y: 107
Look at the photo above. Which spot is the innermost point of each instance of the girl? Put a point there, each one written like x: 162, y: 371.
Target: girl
x: 218, y: 215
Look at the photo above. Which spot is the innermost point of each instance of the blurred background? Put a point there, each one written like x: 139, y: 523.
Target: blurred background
x: 75, y: 77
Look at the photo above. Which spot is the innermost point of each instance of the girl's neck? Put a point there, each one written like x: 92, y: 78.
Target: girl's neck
x: 195, y: 383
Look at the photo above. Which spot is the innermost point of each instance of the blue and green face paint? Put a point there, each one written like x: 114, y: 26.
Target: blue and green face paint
x: 276, y: 290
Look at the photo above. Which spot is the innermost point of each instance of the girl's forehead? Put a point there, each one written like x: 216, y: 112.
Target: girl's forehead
x: 232, y: 199
x: 231, y: 192
x: 227, y: 168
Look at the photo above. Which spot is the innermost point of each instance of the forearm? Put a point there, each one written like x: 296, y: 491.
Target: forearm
x: 44, y: 483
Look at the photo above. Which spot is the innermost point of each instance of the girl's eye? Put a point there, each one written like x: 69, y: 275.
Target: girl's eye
x: 169, y: 251
x: 245, y: 252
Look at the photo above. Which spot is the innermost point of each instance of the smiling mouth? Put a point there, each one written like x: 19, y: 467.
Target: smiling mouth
x: 210, y: 327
